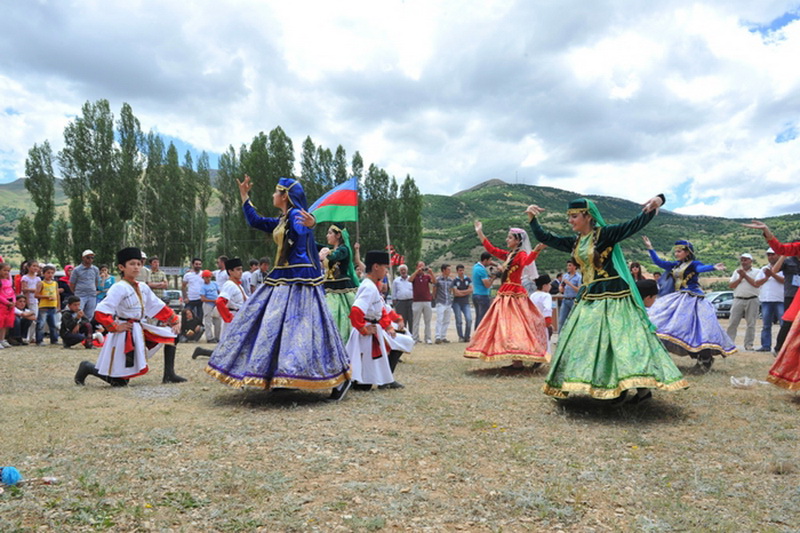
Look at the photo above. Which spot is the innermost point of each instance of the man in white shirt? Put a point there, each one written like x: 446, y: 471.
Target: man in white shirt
x: 221, y: 274
x: 192, y: 284
x: 771, y: 298
x: 403, y: 296
x: 246, y: 277
x: 745, y: 300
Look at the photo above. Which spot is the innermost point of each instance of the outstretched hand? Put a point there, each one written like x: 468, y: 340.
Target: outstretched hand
x: 478, y: 226
x: 763, y: 228
x: 539, y: 247
x: 306, y: 219
x: 244, y: 187
x: 647, y: 242
x: 533, y: 211
x: 653, y: 203
x: 719, y: 266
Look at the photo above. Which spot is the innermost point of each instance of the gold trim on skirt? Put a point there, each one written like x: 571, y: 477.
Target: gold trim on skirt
x: 610, y: 394
x: 286, y: 383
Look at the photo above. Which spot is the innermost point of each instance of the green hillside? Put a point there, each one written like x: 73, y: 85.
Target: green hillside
x: 449, y: 234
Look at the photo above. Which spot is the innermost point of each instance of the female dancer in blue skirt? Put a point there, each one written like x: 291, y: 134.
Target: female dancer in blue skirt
x: 685, y: 322
x: 284, y: 335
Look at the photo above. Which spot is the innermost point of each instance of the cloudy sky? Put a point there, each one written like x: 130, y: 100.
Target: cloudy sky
x: 699, y: 99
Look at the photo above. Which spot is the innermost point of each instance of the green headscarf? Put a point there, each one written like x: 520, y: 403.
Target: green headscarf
x: 620, y: 265
x: 351, y: 269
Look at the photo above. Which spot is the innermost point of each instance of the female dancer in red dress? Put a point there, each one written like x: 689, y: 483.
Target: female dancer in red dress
x: 785, y: 372
x: 513, y: 328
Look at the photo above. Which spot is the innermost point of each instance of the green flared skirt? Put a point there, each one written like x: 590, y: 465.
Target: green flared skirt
x: 340, y: 303
x: 605, y: 348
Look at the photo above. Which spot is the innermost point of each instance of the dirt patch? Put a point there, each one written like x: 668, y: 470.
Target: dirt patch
x: 464, y: 446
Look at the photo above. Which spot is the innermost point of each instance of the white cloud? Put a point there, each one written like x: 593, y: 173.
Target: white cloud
x: 612, y: 97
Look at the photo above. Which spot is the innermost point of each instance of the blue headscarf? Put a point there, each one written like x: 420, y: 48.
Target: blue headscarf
x: 297, y: 196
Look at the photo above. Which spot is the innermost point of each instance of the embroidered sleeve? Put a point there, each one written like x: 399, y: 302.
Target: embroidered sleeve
x: 497, y: 252
x: 528, y: 258
x: 167, y: 315
x: 106, y: 320
x: 357, y: 320
x: 257, y: 221
x: 386, y: 319
x: 788, y: 249
x: 224, y: 312
x: 564, y: 244
x: 666, y: 265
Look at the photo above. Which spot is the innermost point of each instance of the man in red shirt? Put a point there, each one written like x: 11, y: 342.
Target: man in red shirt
x: 421, y: 281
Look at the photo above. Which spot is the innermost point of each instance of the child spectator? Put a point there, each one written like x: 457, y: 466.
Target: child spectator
x: 23, y: 318
x: 105, y: 282
x: 64, y: 289
x: 7, y: 301
x: 49, y: 302
x: 209, y: 292
x: 75, y: 327
x: 28, y: 284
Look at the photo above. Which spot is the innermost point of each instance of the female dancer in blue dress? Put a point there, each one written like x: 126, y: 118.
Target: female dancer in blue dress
x: 284, y: 336
x: 685, y: 322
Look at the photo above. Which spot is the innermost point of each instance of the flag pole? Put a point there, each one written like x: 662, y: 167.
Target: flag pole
x: 388, y: 244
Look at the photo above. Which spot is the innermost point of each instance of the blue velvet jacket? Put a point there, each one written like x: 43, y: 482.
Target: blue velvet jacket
x: 297, y: 260
x: 684, y: 273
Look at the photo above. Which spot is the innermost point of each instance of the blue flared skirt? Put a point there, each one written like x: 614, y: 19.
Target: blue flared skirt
x: 688, y: 325
x: 283, y: 336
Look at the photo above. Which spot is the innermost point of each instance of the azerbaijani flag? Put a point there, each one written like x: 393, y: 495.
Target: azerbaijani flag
x: 340, y: 204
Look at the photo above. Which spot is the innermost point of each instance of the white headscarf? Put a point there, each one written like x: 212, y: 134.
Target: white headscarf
x: 530, y: 272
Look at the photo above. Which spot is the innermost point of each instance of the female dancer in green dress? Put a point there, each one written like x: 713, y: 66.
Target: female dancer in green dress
x: 340, y: 279
x: 607, y: 345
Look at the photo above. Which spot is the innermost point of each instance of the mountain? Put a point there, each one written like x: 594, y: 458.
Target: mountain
x: 449, y: 235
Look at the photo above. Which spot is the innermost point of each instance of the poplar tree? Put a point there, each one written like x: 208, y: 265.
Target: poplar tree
x: 75, y: 168
x: 129, y: 167
x: 40, y: 183
x: 62, y: 241
x: 231, y: 220
x: 410, y: 209
x: 340, y: 166
x: 203, y: 185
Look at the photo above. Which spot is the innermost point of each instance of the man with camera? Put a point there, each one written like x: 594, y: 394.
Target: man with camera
x: 421, y: 281
x: 483, y: 275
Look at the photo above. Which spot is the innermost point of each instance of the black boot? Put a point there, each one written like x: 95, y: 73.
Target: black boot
x: 394, y: 358
x: 169, y: 366
x: 201, y: 352
x: 87, y: 368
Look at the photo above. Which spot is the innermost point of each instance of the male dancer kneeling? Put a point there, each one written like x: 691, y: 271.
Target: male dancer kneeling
x: 130, y: 341
x: 374, y: 346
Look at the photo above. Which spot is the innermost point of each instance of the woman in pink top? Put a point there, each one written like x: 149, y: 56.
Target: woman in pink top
x: 7, y: 301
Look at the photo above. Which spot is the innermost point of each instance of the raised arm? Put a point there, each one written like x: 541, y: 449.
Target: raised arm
x: 619, y: 232
x: 254, y: 220
x: 497, y: 252
x: 565, y: 244
x: 660, y: 263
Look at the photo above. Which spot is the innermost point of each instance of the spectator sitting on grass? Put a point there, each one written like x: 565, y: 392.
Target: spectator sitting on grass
x: 75, y: 327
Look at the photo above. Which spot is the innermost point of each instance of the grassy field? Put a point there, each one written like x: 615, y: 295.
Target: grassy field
x: 465, y: 446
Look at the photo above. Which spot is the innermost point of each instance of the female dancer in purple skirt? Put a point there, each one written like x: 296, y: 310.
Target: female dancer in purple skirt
x: 284, y: 335
x: 686, y: 323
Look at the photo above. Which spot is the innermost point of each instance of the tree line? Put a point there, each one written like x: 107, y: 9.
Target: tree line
x: 127, y: 188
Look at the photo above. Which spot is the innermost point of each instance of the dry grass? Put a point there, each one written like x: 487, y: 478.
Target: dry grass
x: 463, y: 447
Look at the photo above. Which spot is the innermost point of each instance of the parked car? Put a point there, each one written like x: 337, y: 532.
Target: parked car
x: 722, y: 301
x: 174, y: 299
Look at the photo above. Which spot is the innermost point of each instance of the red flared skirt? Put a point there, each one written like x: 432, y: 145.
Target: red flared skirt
x: 513, y: 328
x: 785, y: 372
